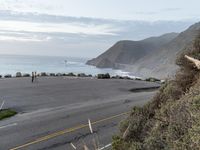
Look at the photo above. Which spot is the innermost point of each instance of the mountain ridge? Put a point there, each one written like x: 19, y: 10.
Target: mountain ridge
x: 154, y: 56
x: 121, y: 48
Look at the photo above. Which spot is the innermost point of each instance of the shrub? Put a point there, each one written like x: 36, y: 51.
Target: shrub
x: 103, y: 76
x: 8, y: 76
x: 71, y: 74
x: 63, y: 74
x: 5, y: 113
x: 188, y: 73
x: 58, y: 74
x: 43, y: 74
x: 138, y: 79
x: 151, y: 79
x: 18, y: 74
x: 52, y: 74
x: 82, y: 75
x: 172, y: 119
x: 26, y: 75
x: 120, y: 77
x: 89, y: 75
x: 119, y: 144
x: 117, y: 77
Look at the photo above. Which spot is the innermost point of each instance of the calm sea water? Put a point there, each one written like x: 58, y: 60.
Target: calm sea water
x: 10, y: 64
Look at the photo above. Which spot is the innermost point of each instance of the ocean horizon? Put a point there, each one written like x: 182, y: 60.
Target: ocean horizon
x: 11, y: 64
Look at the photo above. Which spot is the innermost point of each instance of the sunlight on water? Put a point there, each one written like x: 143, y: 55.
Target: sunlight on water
x: 10, y: 64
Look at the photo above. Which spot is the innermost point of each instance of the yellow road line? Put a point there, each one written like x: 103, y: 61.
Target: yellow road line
x: 50, y: 136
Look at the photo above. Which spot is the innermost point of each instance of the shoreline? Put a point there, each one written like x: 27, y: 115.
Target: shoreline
x: 80, y: 75
x: 70, y: 74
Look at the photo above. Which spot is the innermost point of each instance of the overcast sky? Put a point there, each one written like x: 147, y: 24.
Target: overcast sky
x: 87, y: 27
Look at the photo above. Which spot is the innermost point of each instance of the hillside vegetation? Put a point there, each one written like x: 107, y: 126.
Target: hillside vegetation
x: 171, y: 121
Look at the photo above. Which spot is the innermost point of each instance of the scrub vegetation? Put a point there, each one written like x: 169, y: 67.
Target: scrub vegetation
x: 5, y: 113
x: 171, y: 120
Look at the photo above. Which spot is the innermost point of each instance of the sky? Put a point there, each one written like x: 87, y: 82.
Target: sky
x: 86, y: 28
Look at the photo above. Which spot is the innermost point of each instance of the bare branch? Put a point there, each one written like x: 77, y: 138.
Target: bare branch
x: 193, y: 60
x: 126, y: 132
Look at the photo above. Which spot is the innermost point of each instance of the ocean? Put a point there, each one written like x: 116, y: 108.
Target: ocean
x: 10, y: 64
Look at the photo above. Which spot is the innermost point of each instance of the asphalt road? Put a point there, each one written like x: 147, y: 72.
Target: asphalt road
x: 54, y: 112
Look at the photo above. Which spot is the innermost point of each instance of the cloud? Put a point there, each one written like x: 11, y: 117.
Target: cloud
x: 26, y: 25
x: 157, y: 12
x: 90, y: 29
x: 146, y: 12
x: 171, y: 9
x: 38, y: 32
x: 23, y: 39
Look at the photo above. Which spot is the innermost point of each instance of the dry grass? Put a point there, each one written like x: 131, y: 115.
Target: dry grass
x: 94, y: 142
x: 172, y: 119
x: 6, y: 113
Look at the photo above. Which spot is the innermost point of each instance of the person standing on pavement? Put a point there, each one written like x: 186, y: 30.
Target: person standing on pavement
x: 32, y: 76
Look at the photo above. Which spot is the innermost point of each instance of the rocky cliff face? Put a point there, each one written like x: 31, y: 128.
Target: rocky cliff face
x: 154, y: 56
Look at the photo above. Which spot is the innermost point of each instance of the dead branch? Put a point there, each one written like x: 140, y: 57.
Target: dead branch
x: 196, y: 62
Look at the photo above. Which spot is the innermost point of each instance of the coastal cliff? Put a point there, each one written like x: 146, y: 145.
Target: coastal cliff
x: 154, y: 56
x: 171, y: 119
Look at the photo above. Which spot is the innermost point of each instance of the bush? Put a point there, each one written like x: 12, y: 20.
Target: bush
x: 18, y: 74
x: 151, y: 79
x: 52, y: 74
x: 120, y: 77
x: 43, y: 74
x: 138, y: 79
x: 117, y: 77
x: 58, y: 74
x: 188, y: 73
x: 103, y: 76
x: 82, y: 75
x: 8, y: 76
x: 172, y: 119
x: 64, y: 74
x: 0, y: 76
x: 89, y: 75
x: 71, y: 74
x: 5, y: 113
x: 26, y: 75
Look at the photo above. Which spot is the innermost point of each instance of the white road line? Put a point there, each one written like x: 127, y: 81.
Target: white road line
x: 8, y: 125
x: 106, y: 146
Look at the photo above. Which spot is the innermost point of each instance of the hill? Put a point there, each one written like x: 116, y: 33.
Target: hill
x: 129, y: 52
x: 171, y: 120
x: 150, y: 57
